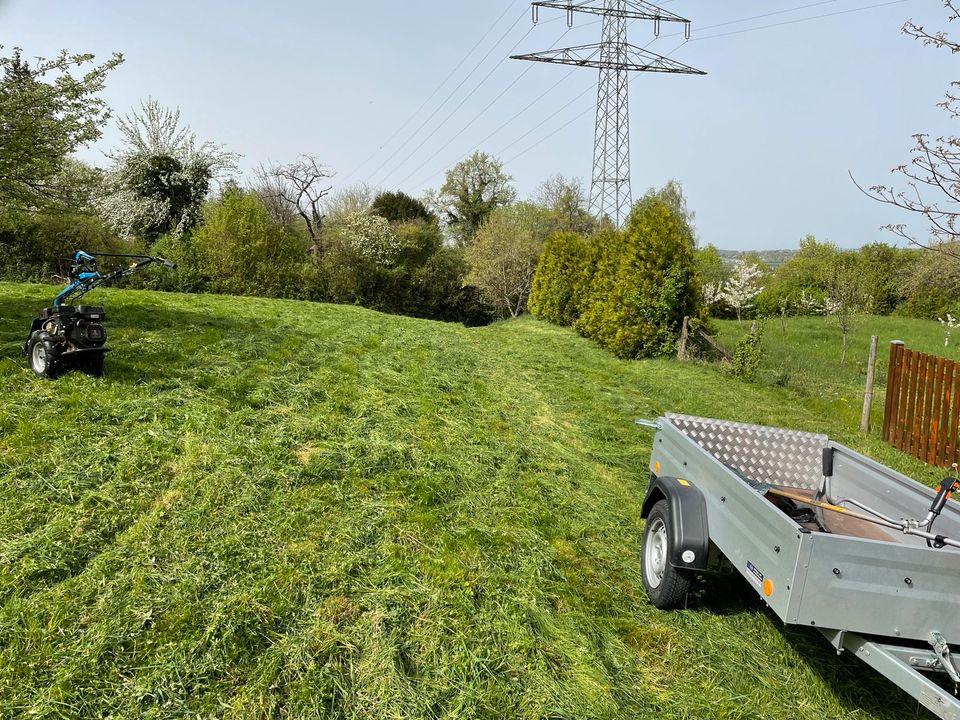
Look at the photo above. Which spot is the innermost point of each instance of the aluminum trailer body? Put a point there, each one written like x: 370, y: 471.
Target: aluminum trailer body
x: 887, y: 596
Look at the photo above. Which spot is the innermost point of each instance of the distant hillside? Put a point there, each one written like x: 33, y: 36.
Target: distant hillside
x: 773, y: 258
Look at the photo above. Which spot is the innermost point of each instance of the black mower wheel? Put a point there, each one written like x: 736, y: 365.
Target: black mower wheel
x: 666, y: 586
x: 92, y: 365
x: 43, y: 355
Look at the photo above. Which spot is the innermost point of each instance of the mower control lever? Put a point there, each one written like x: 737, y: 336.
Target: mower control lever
x: 947, y: 488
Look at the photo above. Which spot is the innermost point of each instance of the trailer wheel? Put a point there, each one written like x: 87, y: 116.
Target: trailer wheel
x: 42, y: 355
x: 666, y: 586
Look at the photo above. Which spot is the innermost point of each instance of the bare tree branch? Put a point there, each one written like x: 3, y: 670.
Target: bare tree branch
x: 933, y: 174
x: 299, y: 187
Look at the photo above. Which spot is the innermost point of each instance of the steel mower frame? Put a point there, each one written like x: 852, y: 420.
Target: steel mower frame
x: 64, y: 337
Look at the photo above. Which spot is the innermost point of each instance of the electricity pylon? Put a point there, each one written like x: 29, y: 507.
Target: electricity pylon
x: 616, y: 58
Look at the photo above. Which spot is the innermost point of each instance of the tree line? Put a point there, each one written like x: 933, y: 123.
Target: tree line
x: 470, y: 251
x: 454, y: 254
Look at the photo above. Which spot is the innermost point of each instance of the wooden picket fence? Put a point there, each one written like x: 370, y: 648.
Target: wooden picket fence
x: 922, y: 412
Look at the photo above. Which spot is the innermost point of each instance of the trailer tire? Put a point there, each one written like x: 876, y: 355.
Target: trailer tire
x: 666, y: 586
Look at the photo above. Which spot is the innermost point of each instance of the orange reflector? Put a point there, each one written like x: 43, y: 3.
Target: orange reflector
x: 656, y: 467
x: 768, y: 587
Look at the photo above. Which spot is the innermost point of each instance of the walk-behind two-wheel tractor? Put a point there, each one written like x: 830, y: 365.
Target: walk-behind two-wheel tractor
x: 64, y: 337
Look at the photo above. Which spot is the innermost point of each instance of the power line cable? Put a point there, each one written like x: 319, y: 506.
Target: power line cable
x: 474, y: 119
x: 737, y: 32
x: 759, y: 17
x: 463, y: 102
x: 449, y: 96
x: 801, y: 20
x: 434, y: 93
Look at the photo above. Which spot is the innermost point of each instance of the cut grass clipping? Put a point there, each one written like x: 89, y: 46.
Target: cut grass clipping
x: 280, y: 509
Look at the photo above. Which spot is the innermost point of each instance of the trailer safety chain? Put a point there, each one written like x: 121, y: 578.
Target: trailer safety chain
x: 942, y: 651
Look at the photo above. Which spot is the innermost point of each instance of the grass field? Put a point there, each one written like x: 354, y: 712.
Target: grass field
x: 286, y: 510
x: 804, y: 354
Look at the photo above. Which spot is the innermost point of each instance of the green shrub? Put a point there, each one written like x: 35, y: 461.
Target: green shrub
x: 646, y: 281
x: 562, y: 277
x: 439, y: 292
x: 932, y: 286
x: 244, y: 251
x: 188, y: 277
x: 419, y: 240
x: 749, y: 353
x: 34, y: 246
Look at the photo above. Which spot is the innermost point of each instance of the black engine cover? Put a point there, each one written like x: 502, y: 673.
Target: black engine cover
x: 91, y: 312
x: 88, y: 334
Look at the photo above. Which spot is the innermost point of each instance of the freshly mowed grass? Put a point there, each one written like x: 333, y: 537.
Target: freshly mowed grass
x: 281, y: 509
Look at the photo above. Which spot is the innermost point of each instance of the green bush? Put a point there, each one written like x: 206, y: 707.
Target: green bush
x: 188, y: 277
x: 34, y: 246
x: 244, y: 251
x: 645, y: 282
x: 439, y: 292
x: 398, y: 207
x: 749, y: 353
x: 411, y: 273
x: 562, y: 277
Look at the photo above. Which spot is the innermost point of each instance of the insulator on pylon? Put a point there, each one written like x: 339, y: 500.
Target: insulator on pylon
x: 570, y: 17
x: 535, y: 11
x: 686, y: 31
x: 656, y: 27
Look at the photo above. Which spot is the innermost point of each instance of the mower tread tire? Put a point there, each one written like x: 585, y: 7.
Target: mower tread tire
x: 43, y: 355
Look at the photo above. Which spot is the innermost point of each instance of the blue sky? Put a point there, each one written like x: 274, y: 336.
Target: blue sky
x: 762, y: 145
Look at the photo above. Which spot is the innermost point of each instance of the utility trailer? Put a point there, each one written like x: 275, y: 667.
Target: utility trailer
x: 823, y: 534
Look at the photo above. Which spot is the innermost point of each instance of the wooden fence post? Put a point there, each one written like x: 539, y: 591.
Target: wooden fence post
x: 684, y: 338
x: 868, y: 395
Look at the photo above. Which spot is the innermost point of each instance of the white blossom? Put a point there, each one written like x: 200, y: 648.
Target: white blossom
x: 712, y: 293
x: 371, y: 237
x: 742, y: 288
x: 951, y: 324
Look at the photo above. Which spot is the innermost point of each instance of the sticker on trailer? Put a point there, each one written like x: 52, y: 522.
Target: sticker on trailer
x: 937, y: 705
x: 755, y: 575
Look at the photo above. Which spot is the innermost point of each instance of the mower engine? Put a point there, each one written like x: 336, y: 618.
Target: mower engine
x: 64, y: 336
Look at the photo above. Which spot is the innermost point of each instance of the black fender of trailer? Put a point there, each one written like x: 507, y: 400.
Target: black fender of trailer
x: 688, y: 520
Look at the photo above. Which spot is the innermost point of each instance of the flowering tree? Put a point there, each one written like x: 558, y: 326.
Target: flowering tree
x: 370, y: 237
x: 712, y: 293
x: 161, y: 176
x: 48, y: 109
x: 742, y: 288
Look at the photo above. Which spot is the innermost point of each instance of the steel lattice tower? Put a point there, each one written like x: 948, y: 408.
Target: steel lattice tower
x: 616, y: 58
